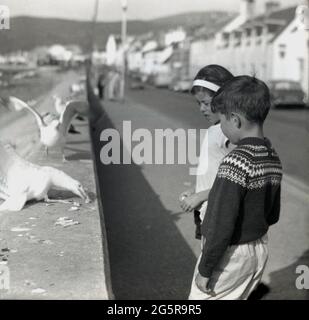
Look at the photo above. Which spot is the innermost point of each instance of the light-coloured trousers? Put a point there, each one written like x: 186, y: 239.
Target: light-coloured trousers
x: 237, y: 274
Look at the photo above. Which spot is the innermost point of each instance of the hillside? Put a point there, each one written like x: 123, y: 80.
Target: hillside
x: 193, y: 19
x: 29, y: 32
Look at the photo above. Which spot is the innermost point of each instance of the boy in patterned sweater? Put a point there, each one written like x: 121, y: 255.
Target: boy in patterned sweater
x: 244, y: 200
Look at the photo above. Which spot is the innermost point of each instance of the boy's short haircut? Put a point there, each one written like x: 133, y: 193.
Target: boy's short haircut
x: 213, y: 73
x: 246, y: 95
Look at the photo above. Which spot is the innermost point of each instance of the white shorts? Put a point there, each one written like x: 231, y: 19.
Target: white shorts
x: 237, y: 274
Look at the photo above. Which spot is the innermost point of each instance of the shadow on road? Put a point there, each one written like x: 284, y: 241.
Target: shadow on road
x: 149, y: 258
x: 282, y: 282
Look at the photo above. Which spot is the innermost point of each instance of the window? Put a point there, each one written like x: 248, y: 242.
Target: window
x: 237, y: 43
x: 272, y: 28
x: 259, y: 31
x: 282, y: 51
x: 294, y: 29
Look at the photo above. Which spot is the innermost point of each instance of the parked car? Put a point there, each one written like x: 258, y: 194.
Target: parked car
x: 286, y: 92
x: 182, y: 85
x: 136, y: 80
x: 162, y: 79
x: 137, y: 85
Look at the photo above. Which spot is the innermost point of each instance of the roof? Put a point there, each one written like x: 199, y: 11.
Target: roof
x: 206, y: 32
x: 288, y: 15
x: 282, y: 18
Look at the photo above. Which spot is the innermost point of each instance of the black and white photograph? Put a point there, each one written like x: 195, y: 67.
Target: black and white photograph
x: 154, y: 150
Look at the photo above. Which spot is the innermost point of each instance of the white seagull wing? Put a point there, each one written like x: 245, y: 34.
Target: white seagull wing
x: 21, y: 104
x: 11, y: 168
x: 8, y: 157
x: 58, y: 104
x: 14, y: 203
x: 73, y: 108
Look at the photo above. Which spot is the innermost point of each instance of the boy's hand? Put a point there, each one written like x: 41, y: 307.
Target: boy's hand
x: 185, y: 194
x: 191, y: 202
x: 202, y: 283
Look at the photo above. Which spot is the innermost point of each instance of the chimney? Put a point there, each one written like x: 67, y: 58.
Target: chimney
x: 271, y: 6
x: 247, y: 9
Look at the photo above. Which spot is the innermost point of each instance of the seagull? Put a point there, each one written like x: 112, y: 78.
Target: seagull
x: 49, y: 117
x: 53, y: 133
x: 60, y: 106
x: 21, y: 181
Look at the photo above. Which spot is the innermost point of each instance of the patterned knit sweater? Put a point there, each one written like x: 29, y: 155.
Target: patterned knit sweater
x: 244, y: 200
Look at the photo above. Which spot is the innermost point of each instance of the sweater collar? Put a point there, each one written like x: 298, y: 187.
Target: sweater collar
x: 255, y: 141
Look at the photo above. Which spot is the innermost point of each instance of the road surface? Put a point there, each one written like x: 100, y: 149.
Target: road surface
x: 151, y: 241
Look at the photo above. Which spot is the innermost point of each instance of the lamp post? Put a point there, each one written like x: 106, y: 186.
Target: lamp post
x: 124, y: 5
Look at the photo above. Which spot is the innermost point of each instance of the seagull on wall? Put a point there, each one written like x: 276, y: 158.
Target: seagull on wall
x: 60, y: 106
x: 21, y: 181
x: 53, y: 133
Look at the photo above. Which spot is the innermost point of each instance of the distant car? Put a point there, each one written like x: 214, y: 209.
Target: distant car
x: 162, y: 80
x: 286, y: 92
x: 182, y: 85
x: 136, y: 75
x: 137, y: 85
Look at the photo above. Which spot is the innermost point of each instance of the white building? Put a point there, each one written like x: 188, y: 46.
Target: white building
x: 113, y: 51
x: 60, y: 53
x: 99, y: 57
x: 144, y: 57
x: 154, y: 61
x: 175, y: 36
x: 152, y: 56
x: 271, y: 46
x: 135, y: 56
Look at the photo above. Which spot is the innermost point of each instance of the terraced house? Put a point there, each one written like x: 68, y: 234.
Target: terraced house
x: 273, y: 45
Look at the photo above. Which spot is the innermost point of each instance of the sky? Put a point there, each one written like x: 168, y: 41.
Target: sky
x: 110, y: 10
